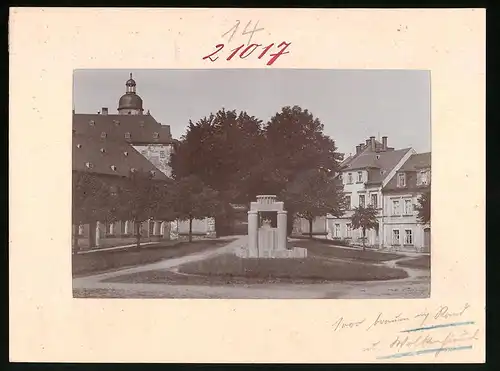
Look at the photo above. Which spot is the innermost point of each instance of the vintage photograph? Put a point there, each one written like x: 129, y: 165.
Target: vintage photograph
x: 251, y: 184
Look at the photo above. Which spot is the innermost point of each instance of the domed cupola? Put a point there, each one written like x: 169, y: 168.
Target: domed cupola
x: 130, y: 103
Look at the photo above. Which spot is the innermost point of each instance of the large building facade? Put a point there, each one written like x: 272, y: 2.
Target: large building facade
x: 391, y: 180
x: 112, y: 145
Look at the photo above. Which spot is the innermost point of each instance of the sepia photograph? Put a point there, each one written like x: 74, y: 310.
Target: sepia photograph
x: 251, y: 184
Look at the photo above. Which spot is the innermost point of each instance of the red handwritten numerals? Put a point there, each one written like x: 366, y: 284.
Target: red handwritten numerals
x: 246, y: 51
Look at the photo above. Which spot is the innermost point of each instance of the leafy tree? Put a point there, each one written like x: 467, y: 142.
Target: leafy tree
x: 92, y: 200
x: 313, y: 193
x: 194, y: 200
x: 142, y: 198
x: 364, y: 218
x: 424, y: 207
x: 295, y: 143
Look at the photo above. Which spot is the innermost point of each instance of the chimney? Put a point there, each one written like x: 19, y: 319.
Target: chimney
x: 104, y: 110
x: 384, y: 143
x: 358, y: 148
x: 368, y: 142
x: 372, y: 143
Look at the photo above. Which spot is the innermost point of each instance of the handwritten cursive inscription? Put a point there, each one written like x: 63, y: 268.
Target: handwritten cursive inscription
x: 380, y: 320
x: 243, y: 52
x: 341, y: 324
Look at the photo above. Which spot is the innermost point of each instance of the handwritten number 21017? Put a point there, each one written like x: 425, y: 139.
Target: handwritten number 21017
x: 249, y: 50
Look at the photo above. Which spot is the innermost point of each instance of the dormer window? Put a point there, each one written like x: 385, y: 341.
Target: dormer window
x: 125, y: 153
x: 153, y: 173
x: 91, y: 122
x: 113, y: 167
x: 378, y: 157
x: 89, y: 165
x: 78, y: 145
x: 116, y: 122
x: 133, y: 170
x: 103, y: 150
x: 103, y: 135
x: 401, y: 180
x: 156, y: 135
x: 127, y: 135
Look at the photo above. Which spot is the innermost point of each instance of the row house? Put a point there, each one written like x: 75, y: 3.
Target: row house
x: 390, y: 180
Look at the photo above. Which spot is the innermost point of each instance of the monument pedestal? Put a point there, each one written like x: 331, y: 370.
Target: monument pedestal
x: 265, y: 241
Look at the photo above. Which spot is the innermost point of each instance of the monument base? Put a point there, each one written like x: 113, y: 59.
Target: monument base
x: 295, y: 252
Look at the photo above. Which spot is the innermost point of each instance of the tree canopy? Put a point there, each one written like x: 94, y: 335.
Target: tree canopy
x: 424, y: 207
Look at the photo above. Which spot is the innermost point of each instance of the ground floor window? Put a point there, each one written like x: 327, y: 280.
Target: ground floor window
x: 348, y: 230
x: 395, y: 236
x: 81, y: 230
x: 408, y: 237
x: 336, y: 230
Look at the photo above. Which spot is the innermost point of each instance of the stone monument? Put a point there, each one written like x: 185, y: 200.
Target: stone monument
x: 265, y: 241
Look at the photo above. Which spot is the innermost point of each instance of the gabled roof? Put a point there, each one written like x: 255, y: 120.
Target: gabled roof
x: 378, y: 164
x: 87, y: 149
x: 414, y: 163
x: 143, y: 129
x: 417, y: 161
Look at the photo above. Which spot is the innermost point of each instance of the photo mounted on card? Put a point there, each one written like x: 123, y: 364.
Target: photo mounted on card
x: 233, y: 163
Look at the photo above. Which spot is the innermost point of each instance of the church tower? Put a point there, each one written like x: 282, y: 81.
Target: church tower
x: 130, y: 103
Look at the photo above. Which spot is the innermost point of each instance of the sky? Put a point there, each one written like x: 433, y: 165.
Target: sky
x: 351, y: 104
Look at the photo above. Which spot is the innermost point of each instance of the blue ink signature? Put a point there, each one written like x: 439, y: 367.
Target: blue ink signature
x: 453, y: 324
x: 425, y: 351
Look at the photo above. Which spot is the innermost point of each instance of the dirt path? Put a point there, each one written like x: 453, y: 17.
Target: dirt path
x: 417, y: 285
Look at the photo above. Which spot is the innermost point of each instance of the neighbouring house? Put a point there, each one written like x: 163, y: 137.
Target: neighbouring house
x: 390, y: 180
x: 111, y: 145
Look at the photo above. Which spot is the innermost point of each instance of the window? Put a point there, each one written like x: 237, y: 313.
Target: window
x: 336, y: 230
x: 92, y: 122
x: 162, y: 154
x: 408, y: 237
x: 103, y: 150
x: 127, y: 135
x: 360, y: 176
x: 395, y: 207
x: 116, y: 122
x: 89, y: 165
x: 153, y: 173
x: 408, y: 207
x: 81, y: 230
x: 348, y: 202
x: 395, y: 236
x: 423, y: 178
x: 348, y: 230
x: 349, y: 178
x: 374, y: 200
x: 361, y: 200
x: 144, y: 152
x: 103, y: 134
x: 125, y: 153
x: 113, y: 167
x: 401, y: 180
x: 156, y: 135
x: 340, y: 176
x: 78, y: 146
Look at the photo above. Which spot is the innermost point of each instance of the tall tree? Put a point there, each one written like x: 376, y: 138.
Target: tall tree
x: 92, y: 200
x: 142, y: 198
x: 424, y: 207
x: 194, y: 200
x: 295, y: 143
x: 313, y: 193
x: 364, y: 218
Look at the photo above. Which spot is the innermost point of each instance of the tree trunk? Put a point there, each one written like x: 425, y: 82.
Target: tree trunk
x: 190, y: 229
x: 138, y: 235
x: 92, y: 231
x: 364, y: 232
x: 310, y: 228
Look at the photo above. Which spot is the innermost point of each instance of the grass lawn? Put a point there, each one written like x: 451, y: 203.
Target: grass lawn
x: 317, y: 248
x: 422, y: 262
x: 104, y: 261
x: 230, y: 269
